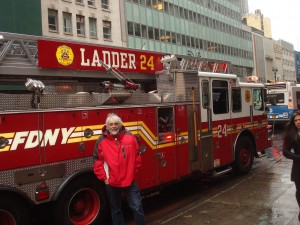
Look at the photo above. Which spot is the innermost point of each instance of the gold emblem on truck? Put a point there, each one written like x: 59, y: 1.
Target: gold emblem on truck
x: 64, y: 55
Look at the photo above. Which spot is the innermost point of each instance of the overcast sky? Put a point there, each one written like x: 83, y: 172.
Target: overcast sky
x: 285, y: 18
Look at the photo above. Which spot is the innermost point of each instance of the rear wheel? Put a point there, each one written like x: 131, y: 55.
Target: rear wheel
x: 14, y: 211
x: 82, y: 202
x: 244, y: 155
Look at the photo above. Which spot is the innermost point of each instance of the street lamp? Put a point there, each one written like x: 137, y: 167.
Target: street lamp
x: 275, y: 70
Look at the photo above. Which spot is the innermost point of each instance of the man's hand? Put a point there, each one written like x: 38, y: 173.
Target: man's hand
x: 106, y: 181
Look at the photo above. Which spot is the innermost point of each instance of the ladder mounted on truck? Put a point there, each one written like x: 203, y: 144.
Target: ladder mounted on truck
x: 126, y: 83
x: 187, y: 62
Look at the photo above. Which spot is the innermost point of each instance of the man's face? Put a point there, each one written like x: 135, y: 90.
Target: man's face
x: 113, y: 127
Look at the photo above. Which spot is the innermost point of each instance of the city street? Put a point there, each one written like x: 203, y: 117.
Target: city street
x: 264, y: 196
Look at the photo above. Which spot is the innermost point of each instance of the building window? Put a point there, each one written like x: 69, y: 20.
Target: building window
x: 93, y: 27
x: 80, y: 25
x: 137, y: 29
x: 106, y: 29
x: 130, y: 28
x: 148, y: 3
x: 156, y: 34
x: 142, y: 2
x: 91, y: 2
x: 173, y: 38
x: 105, y: 4
x: 67, y: 19
x: 52, y: 20
x: 79, y: 1
x: 144, y: 31
x: 150, y: 33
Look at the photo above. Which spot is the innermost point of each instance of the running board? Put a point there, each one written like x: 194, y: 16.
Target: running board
x: 221, y: 172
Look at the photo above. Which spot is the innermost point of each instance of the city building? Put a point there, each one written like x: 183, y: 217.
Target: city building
x: 297, y: 65
x: 259, y: 55
x: 244, y: 7
x: 91, y: 21
x: 258, y: 21
x: 206, y: 28
x: 279, y: 65
x: 210, y: 29
x: 269, y: 59
x: 284, y: 61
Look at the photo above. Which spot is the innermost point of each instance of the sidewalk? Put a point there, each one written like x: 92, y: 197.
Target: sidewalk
x: 266, y: 197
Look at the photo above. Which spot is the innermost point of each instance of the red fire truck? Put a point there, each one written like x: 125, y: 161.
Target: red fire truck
x: 199, y: 119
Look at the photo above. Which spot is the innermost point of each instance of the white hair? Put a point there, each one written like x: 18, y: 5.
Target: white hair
x: 114, y: 117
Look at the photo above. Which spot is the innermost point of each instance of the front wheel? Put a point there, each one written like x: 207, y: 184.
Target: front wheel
x: 244, y: 156
x: 82, y: 202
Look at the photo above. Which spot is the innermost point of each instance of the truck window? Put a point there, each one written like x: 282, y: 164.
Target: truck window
x: 236, y: 100
x: 205, y: 93
x: 257, y: 100
x: 220, y: 96
x: 165, y: 124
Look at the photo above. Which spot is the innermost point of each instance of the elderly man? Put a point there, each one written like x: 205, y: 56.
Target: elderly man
x: 117, y: 161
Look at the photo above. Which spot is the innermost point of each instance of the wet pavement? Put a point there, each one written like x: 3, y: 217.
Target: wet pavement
x: 264, y: 196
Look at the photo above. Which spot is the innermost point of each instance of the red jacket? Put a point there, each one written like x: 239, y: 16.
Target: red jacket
x: 121, y: 154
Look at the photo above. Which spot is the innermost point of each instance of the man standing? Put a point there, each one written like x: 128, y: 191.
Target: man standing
x: 117, y: 161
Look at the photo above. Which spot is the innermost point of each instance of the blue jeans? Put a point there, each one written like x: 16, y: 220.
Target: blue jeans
x: 133, y: 197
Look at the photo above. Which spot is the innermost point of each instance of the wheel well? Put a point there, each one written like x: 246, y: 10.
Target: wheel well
x: 17, y: 196
x: 72, y: 178
x: 248, y: 134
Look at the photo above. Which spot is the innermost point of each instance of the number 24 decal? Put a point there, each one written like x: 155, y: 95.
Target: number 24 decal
x: 222, y: 130
x: 147, y: 63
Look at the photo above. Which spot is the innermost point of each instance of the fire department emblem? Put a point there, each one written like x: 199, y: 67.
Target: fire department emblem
x: 247, y: 96
x: 64, y: 55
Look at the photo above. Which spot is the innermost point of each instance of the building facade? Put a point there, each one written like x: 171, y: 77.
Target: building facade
x: 259, y: 22
x: 284, y: 61
x: 91, y: 21
x: 82, y: 20
x: 244, y: 7
x: 206, y: 28
x: 297, y: 65
x: 259, y: 56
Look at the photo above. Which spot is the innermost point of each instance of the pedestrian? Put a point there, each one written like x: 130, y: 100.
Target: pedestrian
x: 291, y: 150
x: 117, y: 161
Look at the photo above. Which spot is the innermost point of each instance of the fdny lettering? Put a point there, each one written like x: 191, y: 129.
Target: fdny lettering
x: 34, y: 138
x: 114, y: 59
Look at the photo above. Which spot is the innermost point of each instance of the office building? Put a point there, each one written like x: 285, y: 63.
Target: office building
x: 91, y: 21
x: 206, y: 28
x: 259, y: 22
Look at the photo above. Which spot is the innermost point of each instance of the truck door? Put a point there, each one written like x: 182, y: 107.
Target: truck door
x: 221, y: 122
x: 215, y: 123
x: 147, y: 133
x: 258, y: 119
x: 206, y: 154
x: 166, y: 144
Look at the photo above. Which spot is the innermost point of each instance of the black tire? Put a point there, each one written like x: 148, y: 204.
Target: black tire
x: 82, y: 202
x: 244, y: 155
x: 14, y: 211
